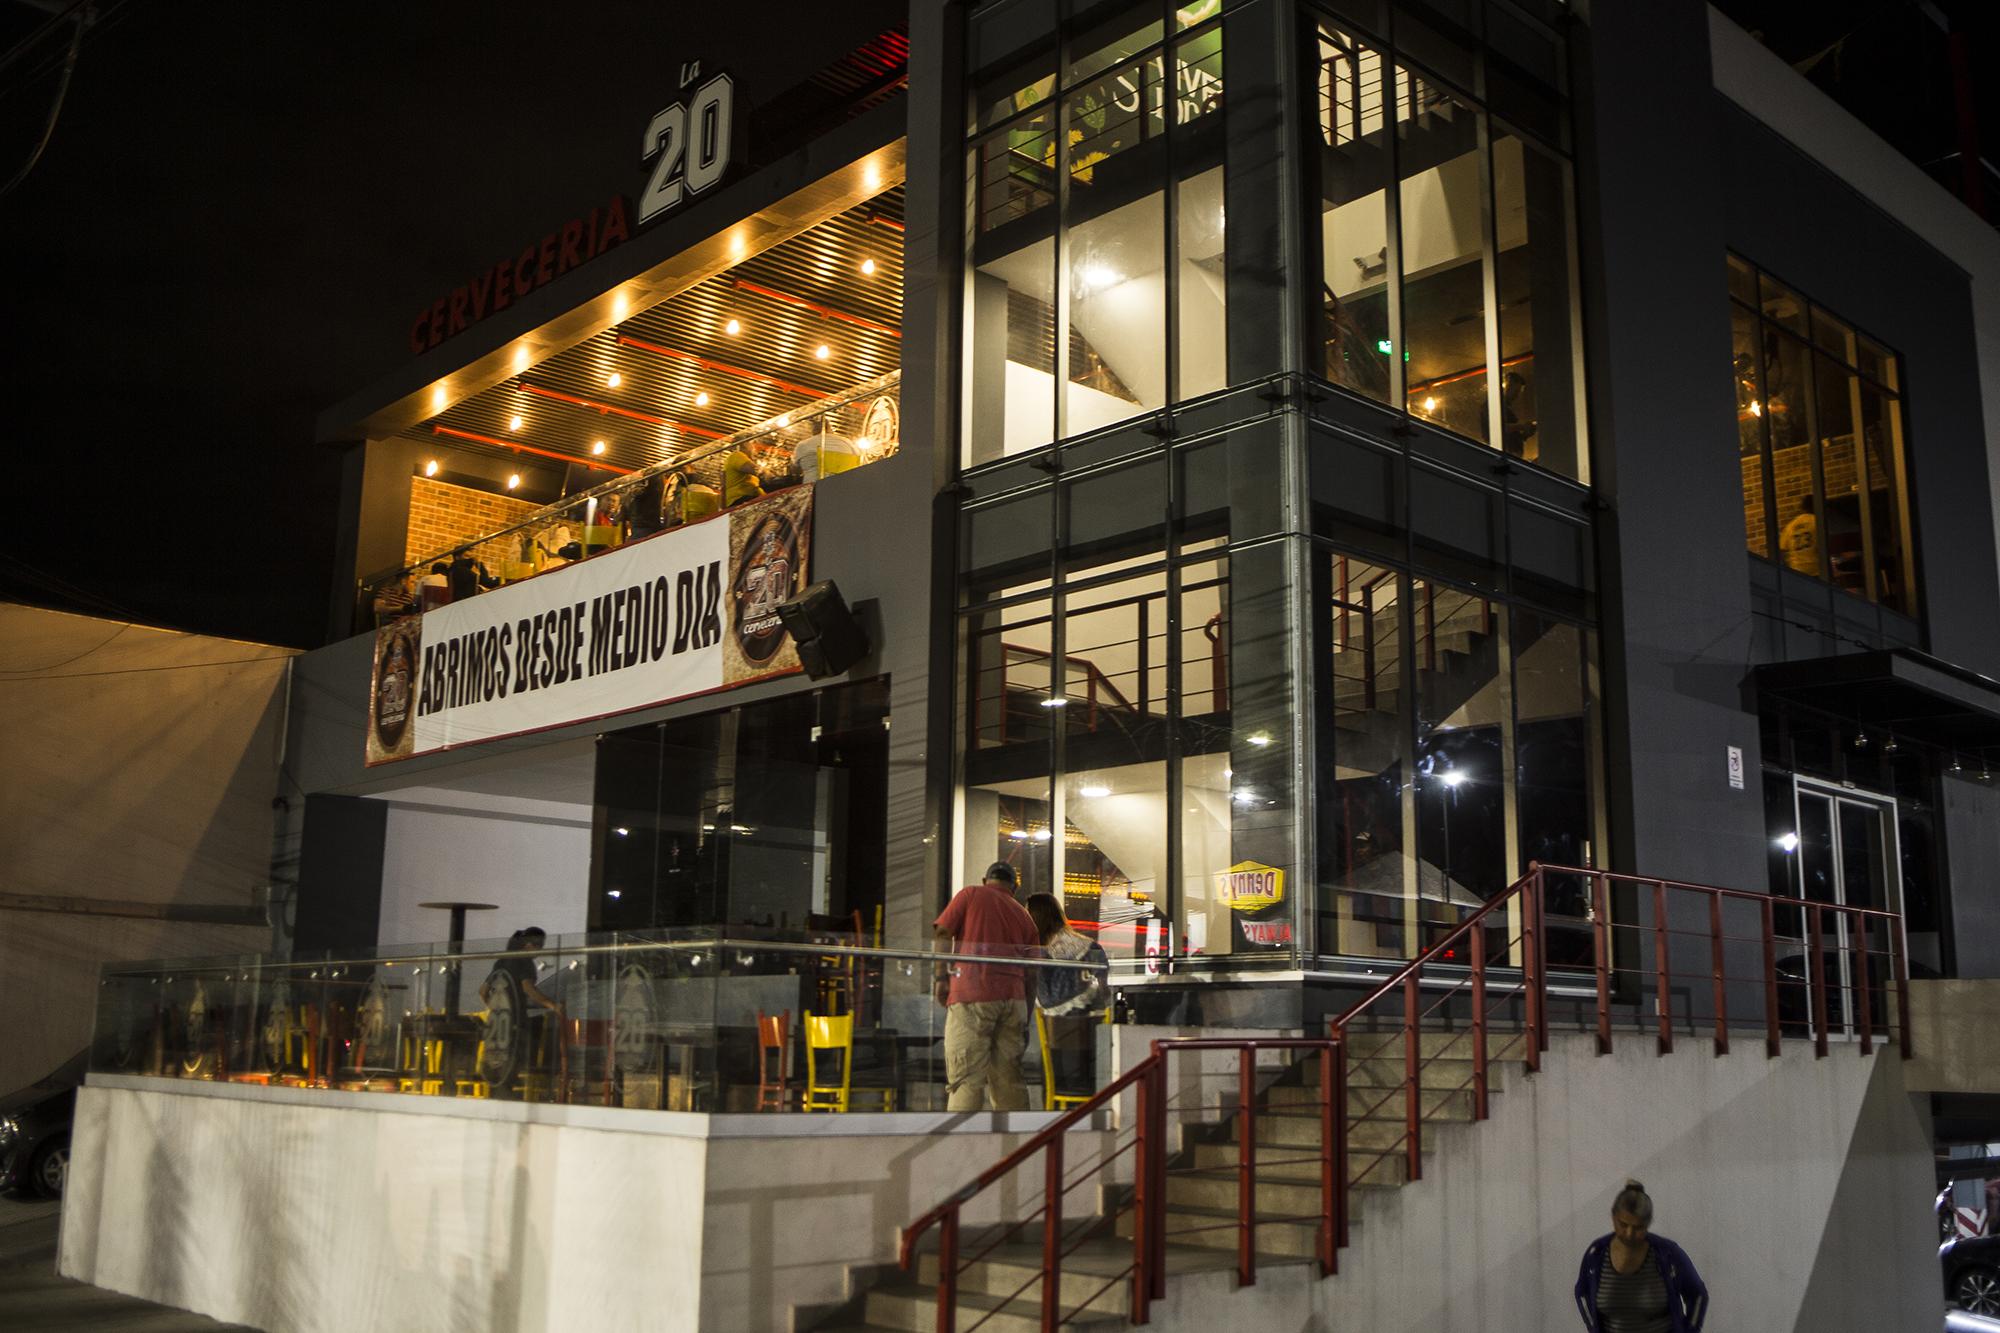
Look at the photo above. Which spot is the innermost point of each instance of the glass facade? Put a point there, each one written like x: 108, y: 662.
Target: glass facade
x: 1234, y: 685
x: 1819, y: 419
x: 1094, y: 220
x: 1452, y: 293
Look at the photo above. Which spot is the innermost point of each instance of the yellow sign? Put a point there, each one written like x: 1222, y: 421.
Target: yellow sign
x: 1249, y: 886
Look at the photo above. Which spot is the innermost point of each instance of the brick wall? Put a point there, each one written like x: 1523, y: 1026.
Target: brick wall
x: 443, y: 515
x: 1791, y: 471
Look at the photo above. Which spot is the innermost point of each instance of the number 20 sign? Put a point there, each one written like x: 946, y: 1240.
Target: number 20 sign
x: 688, y: 143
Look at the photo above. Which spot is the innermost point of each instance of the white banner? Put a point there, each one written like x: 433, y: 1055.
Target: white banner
x: 681, y: 613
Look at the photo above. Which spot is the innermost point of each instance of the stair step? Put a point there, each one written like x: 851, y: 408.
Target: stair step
x: 1502, y: 1044
x: 909, y: 1308
x: 1295, y: 1124
x: 1277, y: 1194
x: 1438, y: 1071
x: 1215, y: 1229
x: 1017, y: 1268
x: 1278, y: 1161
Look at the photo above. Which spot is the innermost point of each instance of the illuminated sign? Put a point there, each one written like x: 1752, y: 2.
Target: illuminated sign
x: 1250, y: 886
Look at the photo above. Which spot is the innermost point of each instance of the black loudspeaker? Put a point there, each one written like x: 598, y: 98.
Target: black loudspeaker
x: 828, y: 637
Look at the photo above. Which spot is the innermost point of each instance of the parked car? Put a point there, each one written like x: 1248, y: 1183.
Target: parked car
x: 1972, y: 1273
x: 34, y: 1131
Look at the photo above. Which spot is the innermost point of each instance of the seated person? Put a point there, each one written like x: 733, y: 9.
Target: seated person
x: 642, y: 511
x: 740, y: 480
x: 824, y: 454
x: 468, y: 577
x: 394, y: 598
x: 434, y: 588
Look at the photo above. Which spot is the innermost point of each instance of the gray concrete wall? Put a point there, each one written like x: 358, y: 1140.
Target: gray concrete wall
x: 141, y: 765
x: 1800, y: 1188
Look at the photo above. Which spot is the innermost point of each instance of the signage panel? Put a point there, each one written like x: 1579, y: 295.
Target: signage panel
x: 1251, y: 886
x: 685, y: 612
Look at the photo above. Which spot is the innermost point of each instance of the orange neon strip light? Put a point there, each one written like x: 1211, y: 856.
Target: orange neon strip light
x: 614, y: 410
x: 529, y: 449
x: 824, y: 310
x: 721, y: 367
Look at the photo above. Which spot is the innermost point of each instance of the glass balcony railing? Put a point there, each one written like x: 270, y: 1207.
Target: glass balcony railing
x: 657, y: 1021
x: 832, y: 435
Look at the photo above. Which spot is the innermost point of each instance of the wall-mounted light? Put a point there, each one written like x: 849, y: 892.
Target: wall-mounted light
x: 1789, y: 842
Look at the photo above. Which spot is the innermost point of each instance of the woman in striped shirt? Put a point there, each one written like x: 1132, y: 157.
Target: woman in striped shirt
x: 1632, y: 1281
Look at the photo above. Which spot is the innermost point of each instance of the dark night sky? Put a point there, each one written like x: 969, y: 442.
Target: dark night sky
x: 239, y: 211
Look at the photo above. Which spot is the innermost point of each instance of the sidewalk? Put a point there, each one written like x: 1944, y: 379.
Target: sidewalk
x: 32, y: 1297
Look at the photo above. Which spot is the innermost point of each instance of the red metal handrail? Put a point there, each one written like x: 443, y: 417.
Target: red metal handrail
x: 1531, y: 892
x: 1148, y: 1267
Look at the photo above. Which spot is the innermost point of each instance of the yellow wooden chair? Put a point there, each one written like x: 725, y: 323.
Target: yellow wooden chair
x: 834, y: 1033
x: 1051, y: 1099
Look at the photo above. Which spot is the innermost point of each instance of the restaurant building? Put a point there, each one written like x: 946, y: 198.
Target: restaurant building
x: 1273, y: 461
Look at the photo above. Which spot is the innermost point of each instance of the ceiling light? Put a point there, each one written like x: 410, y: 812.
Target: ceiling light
x: 1092, y: 792
x: 620, y: 305
x: 1096, y: 277
x: 1057, y: 702
x: 614, y: 893
x: 520, y: 358
x: 1259, y: 738
x: 1244, y: 796
x: 514, y: 422
x: 1756, y: 408
x: 431, y: 468
x: 1790, y: 842
x: 733, y: 327
x: 784, y: 420
x: 867, y: 268
x: 597, y: 446
x: 1019, y: 835
x: 871, y: 176
x: 514, y: 481
x: 701, y: 398
x: 822, y: 351
x: 437, y: 398
x: 1430, y: 403
x: 614, y: 379
x: 1042, y: 835
x: 621, y: 832
x: 1453, y: 778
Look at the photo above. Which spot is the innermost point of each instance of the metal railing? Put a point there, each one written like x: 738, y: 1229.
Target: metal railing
x: 1147, y: 1203
x: 1522, y: 981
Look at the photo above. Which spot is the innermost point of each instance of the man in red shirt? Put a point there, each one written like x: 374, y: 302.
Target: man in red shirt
x: 986, y: 1012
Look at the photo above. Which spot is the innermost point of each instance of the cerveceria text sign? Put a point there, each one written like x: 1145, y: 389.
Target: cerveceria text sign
x: 681, y: 613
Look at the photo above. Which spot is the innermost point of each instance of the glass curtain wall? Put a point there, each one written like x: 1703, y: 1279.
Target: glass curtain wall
x: 1095, y: 277
x: 1459, y: 742
x: 1452, y: 294
x: 1819, y: 420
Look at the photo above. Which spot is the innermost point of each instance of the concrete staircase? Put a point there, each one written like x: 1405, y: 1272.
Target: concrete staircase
x: 1003, y: 1287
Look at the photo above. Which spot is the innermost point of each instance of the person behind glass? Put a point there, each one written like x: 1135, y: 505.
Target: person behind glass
x: 468, y: 576
x: 1072, y: 999
x: 1632, y: 1281
x: 434, y: 588
x: 393, y: 598
x: 520, y: 965
x: 985, y: 1024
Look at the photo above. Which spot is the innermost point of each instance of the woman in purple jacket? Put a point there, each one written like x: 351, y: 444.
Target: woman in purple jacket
x: 1634, y: 1282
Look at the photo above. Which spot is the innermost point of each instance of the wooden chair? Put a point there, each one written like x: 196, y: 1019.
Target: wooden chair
x: 834, y: 1034
x: 774, y: 1049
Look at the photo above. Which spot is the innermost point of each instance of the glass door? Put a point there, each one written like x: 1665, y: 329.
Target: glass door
x: 1846, y: 857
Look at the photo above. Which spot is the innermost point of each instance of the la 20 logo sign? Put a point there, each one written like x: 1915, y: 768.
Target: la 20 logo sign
x: 688, y: 143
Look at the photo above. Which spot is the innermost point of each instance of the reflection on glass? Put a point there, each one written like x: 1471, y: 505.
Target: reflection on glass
x: 1750, y: 413
x: 1205, y: 925
x: 1443, y: 248
x: 1201, y: 261
x: 1464, y: 726
x: 1354, y: 204
x: 1787, y: 410
x: 1838, y: 393
x: 1538, y: 418
x: 1011, y: 293
x: 1365, y: 908
x: 1888, y: 507
x: 1782, y: 305
x: 1552, y: 769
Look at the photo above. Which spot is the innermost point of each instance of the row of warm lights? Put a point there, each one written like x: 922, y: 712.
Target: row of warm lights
x: 513, y: 478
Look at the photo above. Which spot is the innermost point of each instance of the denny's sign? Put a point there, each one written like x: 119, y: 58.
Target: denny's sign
x: 1250, y: 886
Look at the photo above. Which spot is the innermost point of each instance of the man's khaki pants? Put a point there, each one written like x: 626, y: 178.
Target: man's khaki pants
x: 982, y: 1055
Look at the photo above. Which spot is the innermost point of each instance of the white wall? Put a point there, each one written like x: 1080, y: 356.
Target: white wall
x: 300, y: 1210
x: 531, y: 858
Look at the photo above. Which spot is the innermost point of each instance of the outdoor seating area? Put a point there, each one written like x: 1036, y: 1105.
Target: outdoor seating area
x: 719, y: 1025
